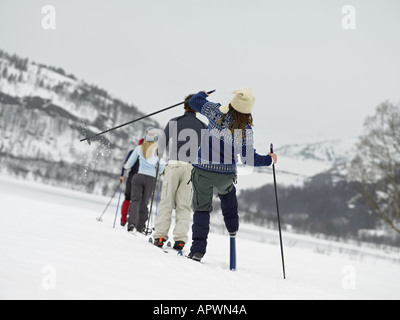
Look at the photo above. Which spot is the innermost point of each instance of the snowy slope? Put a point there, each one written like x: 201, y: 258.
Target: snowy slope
x: 44, y: 112
x: 52, y: 247
x: 299, y: 162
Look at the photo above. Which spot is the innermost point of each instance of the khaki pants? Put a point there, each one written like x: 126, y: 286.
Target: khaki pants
x: 176, y: 192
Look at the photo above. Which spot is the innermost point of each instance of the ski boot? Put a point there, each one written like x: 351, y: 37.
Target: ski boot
x: 197, y: 256
x: 159, y: 242
x: 179, y: 245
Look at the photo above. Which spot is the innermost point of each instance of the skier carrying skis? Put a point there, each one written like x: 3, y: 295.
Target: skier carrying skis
x: 143, y: 183
x: 229, y: 134
x: 128, y: 187
x: 177, y: 188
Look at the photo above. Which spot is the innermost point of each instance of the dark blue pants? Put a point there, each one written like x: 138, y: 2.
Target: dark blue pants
x: 201, y: 221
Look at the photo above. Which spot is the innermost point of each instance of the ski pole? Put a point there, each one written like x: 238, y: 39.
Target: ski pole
x: 89, y: 139
x: 279, y: 219
x: 101, y: 216
x: 119, y: 199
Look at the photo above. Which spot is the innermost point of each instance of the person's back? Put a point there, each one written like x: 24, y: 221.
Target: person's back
x: 185, y: 135
x: 229, y: 135
x: 144, y: 182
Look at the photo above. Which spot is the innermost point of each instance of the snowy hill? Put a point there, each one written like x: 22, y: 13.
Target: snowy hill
x: 331, y: 151
x: 299, y: 162
x: 52, y: 247
x: 44, y: 112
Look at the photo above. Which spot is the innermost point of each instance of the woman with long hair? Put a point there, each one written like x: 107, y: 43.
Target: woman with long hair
x: 143, y: 183
x: 229, y: 135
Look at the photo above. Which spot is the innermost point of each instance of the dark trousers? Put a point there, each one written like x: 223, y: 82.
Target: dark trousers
x: 203, y: 185
x: 128, y: 187
x: 142, y: 190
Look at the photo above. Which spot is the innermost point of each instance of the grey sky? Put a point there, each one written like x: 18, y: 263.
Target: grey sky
x: 312, y: 79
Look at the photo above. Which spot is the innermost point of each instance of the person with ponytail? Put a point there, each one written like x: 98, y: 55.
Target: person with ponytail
x: 144, y: 181
x: 229, y: 136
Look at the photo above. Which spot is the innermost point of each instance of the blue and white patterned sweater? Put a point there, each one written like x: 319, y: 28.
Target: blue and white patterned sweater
x: 220, y: 149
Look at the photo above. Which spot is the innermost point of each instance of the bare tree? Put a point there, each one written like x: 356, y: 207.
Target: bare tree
x: 377, y: 163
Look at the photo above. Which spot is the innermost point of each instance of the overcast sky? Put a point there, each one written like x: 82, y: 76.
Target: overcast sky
x: 313, y: 80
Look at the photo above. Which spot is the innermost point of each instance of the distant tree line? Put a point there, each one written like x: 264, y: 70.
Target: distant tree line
x: 322, y: 206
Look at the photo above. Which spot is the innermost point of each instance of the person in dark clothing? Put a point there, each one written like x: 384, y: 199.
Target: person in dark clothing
x: 128, y: 187
x: 184, y: 132
x: 185, y: 135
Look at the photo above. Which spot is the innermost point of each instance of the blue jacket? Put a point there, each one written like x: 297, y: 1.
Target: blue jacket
x: 148, y: 166
x: 220, y: 149
x: 135, y: 167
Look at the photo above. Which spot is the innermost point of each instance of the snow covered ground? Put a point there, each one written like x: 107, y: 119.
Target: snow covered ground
x: 52, y: 247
